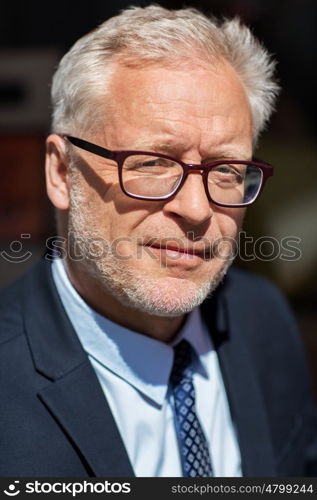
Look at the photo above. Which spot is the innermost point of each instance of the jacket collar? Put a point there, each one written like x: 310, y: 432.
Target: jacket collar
x: 73, y: 394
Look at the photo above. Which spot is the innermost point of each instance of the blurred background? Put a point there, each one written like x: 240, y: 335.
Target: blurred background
x: 33, y: 37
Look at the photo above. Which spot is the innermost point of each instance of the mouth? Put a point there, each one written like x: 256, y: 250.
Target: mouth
x: 178, y: 252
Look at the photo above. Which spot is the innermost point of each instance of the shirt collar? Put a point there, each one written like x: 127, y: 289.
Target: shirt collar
x: 143, y: 362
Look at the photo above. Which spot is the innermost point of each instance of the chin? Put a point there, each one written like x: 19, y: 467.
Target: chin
x: 166, y: 296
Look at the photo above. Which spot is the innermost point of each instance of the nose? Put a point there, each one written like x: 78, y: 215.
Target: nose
x: 191, y: 202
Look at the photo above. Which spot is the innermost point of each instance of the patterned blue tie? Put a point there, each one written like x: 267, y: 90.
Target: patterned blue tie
x: 194, y: 450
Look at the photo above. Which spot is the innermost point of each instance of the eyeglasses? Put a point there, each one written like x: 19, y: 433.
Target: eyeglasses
x: 151, y: 176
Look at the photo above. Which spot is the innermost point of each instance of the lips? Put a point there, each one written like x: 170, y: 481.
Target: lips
x: 204, y: 253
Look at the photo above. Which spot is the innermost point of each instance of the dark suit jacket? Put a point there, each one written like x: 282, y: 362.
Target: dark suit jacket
x: 55, y: 420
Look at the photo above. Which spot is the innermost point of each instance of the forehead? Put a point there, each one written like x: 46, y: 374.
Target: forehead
x: 160, y: 104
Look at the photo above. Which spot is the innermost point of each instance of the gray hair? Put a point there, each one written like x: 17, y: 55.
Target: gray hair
x: 150, y: 35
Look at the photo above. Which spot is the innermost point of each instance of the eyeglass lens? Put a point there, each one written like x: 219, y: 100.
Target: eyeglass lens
x: 155, y: 177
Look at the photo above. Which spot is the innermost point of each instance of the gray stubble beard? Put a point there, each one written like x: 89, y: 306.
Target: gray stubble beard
x: 135, y: 289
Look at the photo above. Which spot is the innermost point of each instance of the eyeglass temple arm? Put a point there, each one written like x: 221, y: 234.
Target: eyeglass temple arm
x: 88, y: 146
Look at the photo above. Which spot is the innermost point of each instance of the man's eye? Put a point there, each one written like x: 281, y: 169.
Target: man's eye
x: 225, y: 169
x: 150, y: 164
x: 158, y: 162
x: 227, y: 173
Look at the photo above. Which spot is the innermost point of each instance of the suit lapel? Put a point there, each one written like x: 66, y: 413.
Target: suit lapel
x: 242, y: 387
x: 73, y: 394
x: 248, y: 410
x: 78, y: 403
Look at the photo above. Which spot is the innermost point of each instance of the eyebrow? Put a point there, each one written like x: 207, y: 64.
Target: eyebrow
x: 162, y: 147
x: 228, y: 155
x: 176, y: 150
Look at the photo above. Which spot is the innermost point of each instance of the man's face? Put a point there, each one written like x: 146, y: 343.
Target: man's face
x: 160, y: 259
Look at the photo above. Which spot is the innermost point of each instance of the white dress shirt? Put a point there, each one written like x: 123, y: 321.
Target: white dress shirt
x: 134, y: 371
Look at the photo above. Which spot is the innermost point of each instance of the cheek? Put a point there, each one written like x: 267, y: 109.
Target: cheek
x: 230, y: 222
x: 118, y: 220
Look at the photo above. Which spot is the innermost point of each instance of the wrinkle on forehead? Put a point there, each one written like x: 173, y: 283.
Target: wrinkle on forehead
x: 178, y: 109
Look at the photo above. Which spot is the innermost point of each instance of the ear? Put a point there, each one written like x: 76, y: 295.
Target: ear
x: 56, y: 172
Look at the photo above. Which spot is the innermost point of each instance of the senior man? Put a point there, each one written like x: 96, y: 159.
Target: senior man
x: 132, y: 354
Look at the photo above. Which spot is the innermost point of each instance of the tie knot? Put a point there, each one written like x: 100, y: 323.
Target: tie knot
x: 182, y: 360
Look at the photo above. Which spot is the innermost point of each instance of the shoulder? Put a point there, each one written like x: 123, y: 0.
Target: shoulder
x: 11, y: 325
x: 252, y: 284
x: 260, y: 316
x: 257, y: 296
x: 12, y: 300
x: 256, y: 311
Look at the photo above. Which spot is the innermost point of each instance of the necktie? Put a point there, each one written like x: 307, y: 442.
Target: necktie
x: 193, y: 445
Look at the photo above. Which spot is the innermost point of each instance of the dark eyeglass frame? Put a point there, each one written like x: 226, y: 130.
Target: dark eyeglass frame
x: 120, y: 156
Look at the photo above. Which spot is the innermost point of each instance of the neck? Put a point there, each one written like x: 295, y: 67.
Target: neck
x: 157, y: 327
